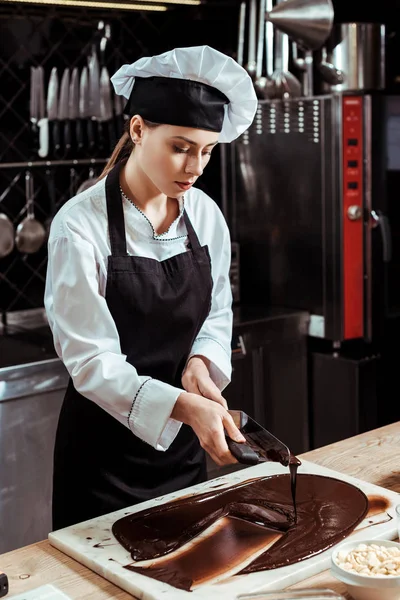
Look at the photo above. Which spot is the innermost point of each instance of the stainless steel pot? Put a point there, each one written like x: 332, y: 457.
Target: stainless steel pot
x: 7, y: 233
x: 30, y: 234
x: 357, y: 51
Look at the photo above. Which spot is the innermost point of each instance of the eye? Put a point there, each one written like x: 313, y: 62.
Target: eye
x: 207, y: 153
x: 180, y: 150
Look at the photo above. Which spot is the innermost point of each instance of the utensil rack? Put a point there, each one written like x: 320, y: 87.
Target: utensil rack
x: 53, y: 163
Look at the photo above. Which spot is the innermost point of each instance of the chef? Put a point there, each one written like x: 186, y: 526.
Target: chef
x: 138, y: 295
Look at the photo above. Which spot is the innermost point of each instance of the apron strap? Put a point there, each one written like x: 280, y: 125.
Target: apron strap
x: 115, y: 212
x: 193, y: 239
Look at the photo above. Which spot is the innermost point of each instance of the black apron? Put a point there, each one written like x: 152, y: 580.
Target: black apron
x: 158, y: 307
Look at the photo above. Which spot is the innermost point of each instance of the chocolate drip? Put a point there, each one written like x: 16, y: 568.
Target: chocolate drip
x: 294, y: 464
x: 247, y: 516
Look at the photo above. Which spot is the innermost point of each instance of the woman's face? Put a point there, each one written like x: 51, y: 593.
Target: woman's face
x: 174, y: 157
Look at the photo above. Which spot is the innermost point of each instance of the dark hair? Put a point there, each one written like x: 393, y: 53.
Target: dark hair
x: 123, y: 147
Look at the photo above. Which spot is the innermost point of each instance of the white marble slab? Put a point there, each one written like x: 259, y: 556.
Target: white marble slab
x: 92, y: 543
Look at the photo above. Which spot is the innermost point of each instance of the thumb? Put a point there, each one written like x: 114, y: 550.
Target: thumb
x: 231, y: 429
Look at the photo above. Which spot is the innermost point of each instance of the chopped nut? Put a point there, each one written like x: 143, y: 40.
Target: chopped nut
x: 371, y: 560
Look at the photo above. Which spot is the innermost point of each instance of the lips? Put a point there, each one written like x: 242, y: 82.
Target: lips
x: 185, y: 185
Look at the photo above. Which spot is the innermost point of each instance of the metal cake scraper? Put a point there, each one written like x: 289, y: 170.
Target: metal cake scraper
x: 261, y: 445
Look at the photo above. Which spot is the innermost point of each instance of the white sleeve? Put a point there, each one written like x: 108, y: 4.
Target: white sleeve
x: 214, y: 338
x: 87, y: 341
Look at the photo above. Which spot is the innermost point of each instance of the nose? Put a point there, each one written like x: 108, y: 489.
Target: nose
x: 194, y: 166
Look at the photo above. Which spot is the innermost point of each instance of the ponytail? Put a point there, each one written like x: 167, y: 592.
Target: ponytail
x: 123, y: 148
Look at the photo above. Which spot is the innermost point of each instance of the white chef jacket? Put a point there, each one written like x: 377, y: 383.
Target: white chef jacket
x: 85, y: 336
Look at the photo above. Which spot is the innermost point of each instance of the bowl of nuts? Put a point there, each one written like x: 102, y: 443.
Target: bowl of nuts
x: 370, y: 569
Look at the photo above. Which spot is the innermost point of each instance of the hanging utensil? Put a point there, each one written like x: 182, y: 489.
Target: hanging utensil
x: 251, y: 54
x: 105, y: 28
x: 30, y: 233
x: 286, y: 84
x: 43, y: 122
x: 269, y: 40
x: 307, y: 22
x: 7, y: 233
x: 52, y: 112
x: 263, y: 86
x: 73, y: 106
x: 33, y: 109
x: 305, y: 64
x: 94, y: 96
x: 242, y: 25
x: 84, y: 114
x: 106, y: 108
x: 63, y: 114
x: 330, y: 74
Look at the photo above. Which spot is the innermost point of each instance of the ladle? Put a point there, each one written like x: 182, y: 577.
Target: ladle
x: 7, y: 233
x: 30, y: 233
x: 263, y: 85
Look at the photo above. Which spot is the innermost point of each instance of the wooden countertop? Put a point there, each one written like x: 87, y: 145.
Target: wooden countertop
x: 373, y: 456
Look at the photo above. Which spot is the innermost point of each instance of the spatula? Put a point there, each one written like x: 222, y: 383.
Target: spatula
x: 261, y: 446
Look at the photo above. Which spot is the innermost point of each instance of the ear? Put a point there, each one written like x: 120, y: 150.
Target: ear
x: 136, y: 129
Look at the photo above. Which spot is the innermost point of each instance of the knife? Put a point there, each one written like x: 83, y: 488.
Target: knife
x: 63, y: 109
x: 73, y: 103
x: 105, y: 106
x: 33, y: 109
x: 119, y: 114
x: 83, y: 110
x: 52, y: 109
x: 94, y: 94
x: 261, y: 445
x: 43, y: 122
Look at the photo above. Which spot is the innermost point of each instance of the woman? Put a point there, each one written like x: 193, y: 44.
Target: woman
x: 138, y: 295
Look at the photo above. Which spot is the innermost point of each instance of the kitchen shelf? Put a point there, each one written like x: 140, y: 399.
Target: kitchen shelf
x: 53, y: 163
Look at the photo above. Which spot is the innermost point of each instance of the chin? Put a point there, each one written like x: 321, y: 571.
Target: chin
x: 175, y: 194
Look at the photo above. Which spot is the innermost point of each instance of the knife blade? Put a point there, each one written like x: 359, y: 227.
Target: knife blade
x: 94, y: 93
x: 83, y: 109
x: 63, y: 108
x: 52, y: 109
x: 106, y: 107
x: 94, y: 84
x: 262, y: 445
x: 43, y: 122
x: 33, y: 109
x: 73, y: 103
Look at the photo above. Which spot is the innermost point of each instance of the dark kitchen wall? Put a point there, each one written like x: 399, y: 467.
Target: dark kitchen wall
x: 54, y: 36
x: 60, y: 37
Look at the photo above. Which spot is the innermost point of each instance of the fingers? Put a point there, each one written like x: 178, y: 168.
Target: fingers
x: 217, y: 448
x: 209, y: 390
x: 232, y: 431
x: 209, y: 420
x: 215, y: 443
x: 200, y: 383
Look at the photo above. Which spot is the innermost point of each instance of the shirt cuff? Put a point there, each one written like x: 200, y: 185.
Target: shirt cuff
x: 149, y: 418
x: 220, y: 366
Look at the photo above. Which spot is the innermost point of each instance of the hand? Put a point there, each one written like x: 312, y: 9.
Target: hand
x: 196, y: 379
x: 209, y: 420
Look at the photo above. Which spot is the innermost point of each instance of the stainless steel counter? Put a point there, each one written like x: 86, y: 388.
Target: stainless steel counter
x: 30, y: 400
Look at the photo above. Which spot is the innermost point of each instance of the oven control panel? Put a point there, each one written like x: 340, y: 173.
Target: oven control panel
x: 352, y: 216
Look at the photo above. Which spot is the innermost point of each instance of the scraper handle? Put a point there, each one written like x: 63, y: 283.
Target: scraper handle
x: 242, y: 452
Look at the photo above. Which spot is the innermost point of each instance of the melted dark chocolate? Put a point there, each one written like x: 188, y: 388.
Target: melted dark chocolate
x: 377, y: 505
x: 256, y: 528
